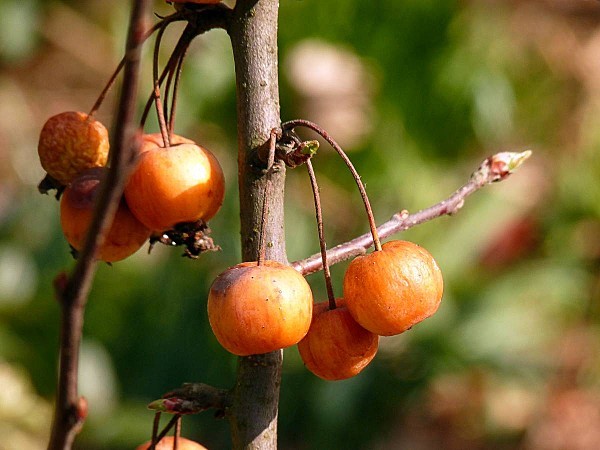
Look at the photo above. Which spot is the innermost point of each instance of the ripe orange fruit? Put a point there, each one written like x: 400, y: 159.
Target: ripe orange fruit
x: 391, y: 290
x: 126, y: 234
x: 166, y: 443
x: 336, y: 347
x: 176, y: 184
x: 71, y: 142
x: 258, y: 309
x: 151, y: 140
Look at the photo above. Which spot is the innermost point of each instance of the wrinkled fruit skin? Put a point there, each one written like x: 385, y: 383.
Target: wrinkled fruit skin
x: 391, y: 290
x: 71, y: 142
x: 258, y: 309
x: 126, y: 234
x: 336, y: 347
x: 181, y: 183
x: 166, y: 443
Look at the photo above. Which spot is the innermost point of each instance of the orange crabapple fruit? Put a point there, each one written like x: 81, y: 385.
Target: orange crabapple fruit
x: 167, y: 443
x: 336, y: 347
x: 71, y: 142
x: 390, y: 290
x: 254, y: 309
x: 177, y: 184
x: 126, y: 234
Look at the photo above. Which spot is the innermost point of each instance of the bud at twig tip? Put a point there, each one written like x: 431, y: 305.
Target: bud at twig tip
x: 499, y: 166
x: 82, y: 409
x: 310, y: 147
x: 513, y: 160
x: 505, y: 163
x: 158, y: 405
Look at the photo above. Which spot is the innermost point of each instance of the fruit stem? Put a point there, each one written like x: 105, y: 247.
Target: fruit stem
x: 169, y: 67
x: 107, y: 87
x: 262, y: 251
x: 156, y: 439
x: 177, y: 433
x: 182, y: 53
x: 322, y: 243
x: 263, y: 229
x: 157, y: 101
x: 111, y: 81
x: 155, y: 425
x: 363, y: 193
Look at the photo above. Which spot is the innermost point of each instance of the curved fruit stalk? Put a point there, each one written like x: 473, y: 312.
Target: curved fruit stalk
x: 256, y: 309
x: 126, y: 235
x: 71, y: 142
x: 390, y: 290
x: 177, y: 184
x: 336, y: 347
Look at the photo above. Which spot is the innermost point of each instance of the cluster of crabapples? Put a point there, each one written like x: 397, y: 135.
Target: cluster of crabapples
x: 170, y: 184
x: 257, y: 308
x: 253, y: 307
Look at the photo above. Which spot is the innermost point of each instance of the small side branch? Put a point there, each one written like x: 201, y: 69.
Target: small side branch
x: 193, y: 398
x: 493, y: 169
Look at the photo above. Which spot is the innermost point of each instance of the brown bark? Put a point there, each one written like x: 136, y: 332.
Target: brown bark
x: 72, y: 291
x: 253, y: 32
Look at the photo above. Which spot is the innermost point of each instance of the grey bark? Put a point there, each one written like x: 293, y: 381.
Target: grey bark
x: 253, y: 32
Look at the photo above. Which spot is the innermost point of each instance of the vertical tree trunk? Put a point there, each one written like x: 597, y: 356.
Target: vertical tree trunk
x: 253, y: 34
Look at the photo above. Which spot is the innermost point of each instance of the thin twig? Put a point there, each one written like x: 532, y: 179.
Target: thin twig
x: 495, y: 168
x: 192, y: 398
x: 111, y: 81
x: 72, y: 292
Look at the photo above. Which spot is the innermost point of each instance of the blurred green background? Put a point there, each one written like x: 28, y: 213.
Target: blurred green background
x: 419, y: 92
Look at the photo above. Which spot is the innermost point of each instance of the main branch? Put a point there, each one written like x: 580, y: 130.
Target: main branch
x: 253, y: 32
x: 72, y: 292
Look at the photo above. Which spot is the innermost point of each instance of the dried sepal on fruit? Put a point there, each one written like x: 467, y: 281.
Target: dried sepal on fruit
x: 255, y: 309
x: 167, y: 443
x: 336, y: 347
x: 170, y: 185
x: 71, y: 142
x: 390, y: 290
x: 126, y: 234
